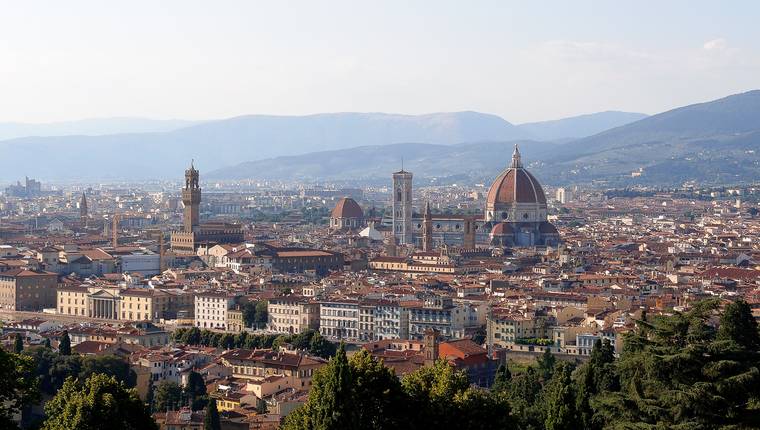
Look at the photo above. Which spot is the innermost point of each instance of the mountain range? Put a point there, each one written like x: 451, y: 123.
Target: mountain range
x: 90, y: 127
x: 712, y: 142
x: 221, y: 143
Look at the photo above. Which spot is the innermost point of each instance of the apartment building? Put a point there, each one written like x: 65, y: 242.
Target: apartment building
x: 211, y: 309
x: 292, y: 314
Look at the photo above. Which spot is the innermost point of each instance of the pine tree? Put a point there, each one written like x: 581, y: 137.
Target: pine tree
x: 211, y: 421
x: 195, y: 390
x: 737, y: 324
x: 64, y: 346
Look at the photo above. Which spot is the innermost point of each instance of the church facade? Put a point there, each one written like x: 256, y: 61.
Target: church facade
x: 515, y: 215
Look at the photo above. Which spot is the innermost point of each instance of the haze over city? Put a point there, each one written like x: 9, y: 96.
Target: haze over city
x: 251, y: 215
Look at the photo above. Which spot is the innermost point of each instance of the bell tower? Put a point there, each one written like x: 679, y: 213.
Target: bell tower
x: 427, y: 229
x: 402, y: 207
x: 191, y: 197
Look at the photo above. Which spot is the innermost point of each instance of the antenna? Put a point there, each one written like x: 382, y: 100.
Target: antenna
x: 402, y: 163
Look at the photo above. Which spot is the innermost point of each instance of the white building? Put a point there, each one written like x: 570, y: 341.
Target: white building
x: 339, y: 319
x: 211, y: 309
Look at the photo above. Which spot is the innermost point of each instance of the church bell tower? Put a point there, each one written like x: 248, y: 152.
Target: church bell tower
x: 191, y: 197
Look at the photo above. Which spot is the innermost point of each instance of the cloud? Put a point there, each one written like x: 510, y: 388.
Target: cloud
x: 715, y: 45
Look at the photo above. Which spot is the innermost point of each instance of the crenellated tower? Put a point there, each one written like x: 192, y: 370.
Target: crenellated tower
x: 191, y: 197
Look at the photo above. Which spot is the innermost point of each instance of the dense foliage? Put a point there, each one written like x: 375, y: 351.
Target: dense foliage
x: 17, y: 386
x: 255, y: 314
x: 98, y: 402
x: 52, y: 368
x: 309, y: 340
x: 362, y: 393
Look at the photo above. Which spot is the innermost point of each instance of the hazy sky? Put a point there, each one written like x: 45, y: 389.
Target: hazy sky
x: 525, y: 61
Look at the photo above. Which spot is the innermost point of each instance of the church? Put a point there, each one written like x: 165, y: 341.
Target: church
x: 515, y: 215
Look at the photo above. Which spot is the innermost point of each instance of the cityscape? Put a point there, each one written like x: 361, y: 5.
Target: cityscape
x: 387, y: 271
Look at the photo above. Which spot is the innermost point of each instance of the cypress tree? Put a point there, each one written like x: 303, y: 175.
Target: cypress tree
x: 64, y: 347
x: 18, y: 343
x: 211, y: 422
x: 502, y: 379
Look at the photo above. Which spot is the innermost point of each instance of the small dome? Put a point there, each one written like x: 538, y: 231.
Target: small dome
x: 347, y: 208
x: 502, y: 229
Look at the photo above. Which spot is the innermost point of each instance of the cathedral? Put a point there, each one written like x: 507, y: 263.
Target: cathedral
x: 193, y: 233
x: 515, y: 215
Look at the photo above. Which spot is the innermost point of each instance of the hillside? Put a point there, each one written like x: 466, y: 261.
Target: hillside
x: 216, y: 144
x: 714, y: 142
x: 476, y: 161
x: 579, y: 126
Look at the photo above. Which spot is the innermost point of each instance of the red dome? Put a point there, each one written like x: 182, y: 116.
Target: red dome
x: 515, y: 185
x: 502, y: 229
x: 347, y: 208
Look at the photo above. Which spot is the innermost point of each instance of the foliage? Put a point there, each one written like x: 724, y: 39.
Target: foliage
x: 18, y: 387
x: 64, y: 346
x: 546, y: 363
x: 18, y: 343
x: 560, y: 401
x: 680, y: 372
x: 502, y: 379
x: 255, y: 313
x: 309, y: 340
x: 52, y: 368
x: 195, y: 391
x: 211, y: 421
x: 167, y: 396
x: 540, y: 341
x: 97, y: 402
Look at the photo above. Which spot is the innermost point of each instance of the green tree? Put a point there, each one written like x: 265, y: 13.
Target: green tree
x: 249, y: 313
x: 321, y: 347
x: 98, y: 402
x: 737, y: 324
x: 330, y: 403
x: 195, y: 391
x: 110, y: 365
x: 681, y: 374
x: 18, y: 387
x: 168, y: 396
x: 18, y: 343
x: 64, y: 346
x: 546, y: 363
x: 211, y: 421
x: 262, y: 313
x: 560, y: 401
x: 47, y: 343
x: 379, y: 400
x: 192, y: 336
x: 502, y: 379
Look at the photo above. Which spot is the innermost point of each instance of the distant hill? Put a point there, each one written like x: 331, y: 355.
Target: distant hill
x: 579, y: 126
x: 90, y: 127
x: 717, y: 141
x: 475, y: 161
x: 215, y: 144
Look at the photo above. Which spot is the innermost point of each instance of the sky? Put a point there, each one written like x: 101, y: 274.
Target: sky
x: 524, y: 61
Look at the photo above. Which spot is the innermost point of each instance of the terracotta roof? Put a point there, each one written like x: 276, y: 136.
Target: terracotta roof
x: 515, y: 185
x: 347, y: 208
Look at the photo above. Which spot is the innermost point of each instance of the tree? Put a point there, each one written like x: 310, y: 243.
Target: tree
x: 502, y: 379
x: 195, y: 391
x: 211, y: 422
x: 18, y: 343
x: 47, y: 343
x: 97, y: 402
x: 330, y: 403
x: 546, y: 363
x: 18, y: 387
x: 110, y: 365
x: 737, y: 324
x: 262, y: 313
x: 64, y: 346
x: 249, y: 313
x: 684, y: 374
x: 192, y: 336
x: 560, y: 401
x: 379, y: 400
x: 168, y: 396
x: 321, y: 347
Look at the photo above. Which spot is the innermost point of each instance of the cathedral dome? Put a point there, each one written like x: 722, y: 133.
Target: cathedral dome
x: 347, y: 208
x: 502, y: 229
x: 515, y: 185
